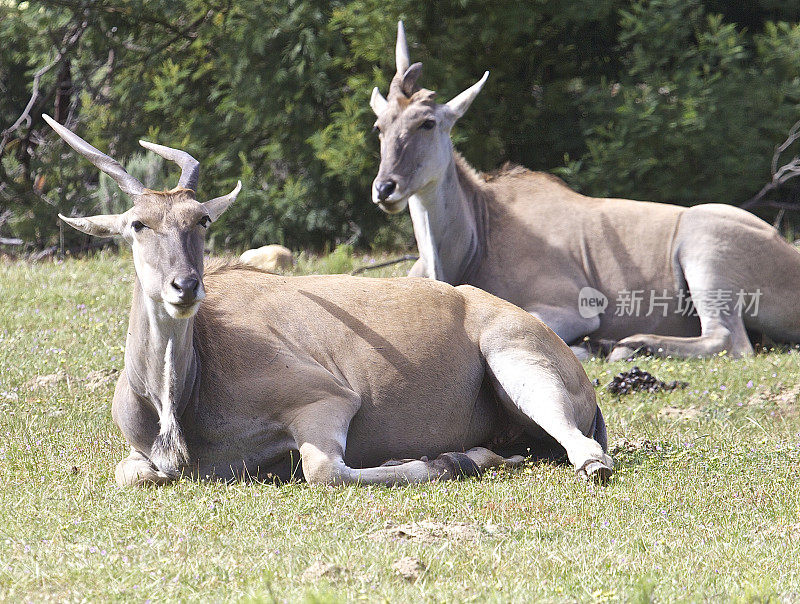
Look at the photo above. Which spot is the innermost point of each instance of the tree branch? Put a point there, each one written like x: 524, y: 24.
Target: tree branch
x: 780, y: 175
x: 67, y: 44
x: 369, y: 267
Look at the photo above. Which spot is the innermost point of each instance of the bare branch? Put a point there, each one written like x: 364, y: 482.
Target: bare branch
x: 794, y: 134
x: 780, y: 175
x: 69, y: 41
x: 369, y: 267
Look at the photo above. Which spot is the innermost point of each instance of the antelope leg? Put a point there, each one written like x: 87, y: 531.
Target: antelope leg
x: 568, y: 324
x: 541, y: 397
x: 321, y: 439
x: 328, y: 467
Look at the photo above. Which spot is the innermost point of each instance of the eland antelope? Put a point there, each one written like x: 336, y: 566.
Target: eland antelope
x: 658, y: 278
x: 230, y: 372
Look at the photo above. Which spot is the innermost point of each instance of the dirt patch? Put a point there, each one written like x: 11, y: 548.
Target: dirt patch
x: 94, y: 380
x: 321, y: 570
x: 676, y: 413
x: 100, y: 378
x: 629, y: 447
x: 785, y: 399
x: 409, y: 568
x: 428, y: 531
x: 47, y: 381
x: 785, y: 531
x: 638, y: 380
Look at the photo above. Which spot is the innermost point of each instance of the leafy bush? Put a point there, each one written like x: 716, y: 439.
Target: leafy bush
x: 695, y: 113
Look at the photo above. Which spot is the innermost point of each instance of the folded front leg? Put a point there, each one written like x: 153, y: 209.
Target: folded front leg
x: 323, y: 463
x: 718, y: 334
x: 321, y: 435
x: 137, y: 470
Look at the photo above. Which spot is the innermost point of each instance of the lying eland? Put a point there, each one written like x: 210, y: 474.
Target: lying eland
x: 270, y: 258
x: 606, y: 269
x: 229, y: 373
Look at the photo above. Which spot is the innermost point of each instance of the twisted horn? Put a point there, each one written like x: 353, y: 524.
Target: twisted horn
x: 110, y: 166
x: 190, y: 167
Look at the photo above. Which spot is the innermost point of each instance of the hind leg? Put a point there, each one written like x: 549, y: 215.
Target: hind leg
x: 721, y: 325
x: 718, y: 335
x: 536, y: 392
x: 568, y: 324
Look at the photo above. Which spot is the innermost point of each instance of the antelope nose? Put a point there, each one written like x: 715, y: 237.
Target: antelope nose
x: 385, y: 189
x: 186, y: 287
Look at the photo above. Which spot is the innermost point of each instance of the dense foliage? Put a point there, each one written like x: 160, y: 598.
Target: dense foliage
x: 670, y: 100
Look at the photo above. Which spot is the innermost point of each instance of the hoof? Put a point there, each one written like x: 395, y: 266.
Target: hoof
x: 596, y: 471
x: 484, y: 458
x: 514, y: 461
x: 138, y: 473
x: 459, y: 465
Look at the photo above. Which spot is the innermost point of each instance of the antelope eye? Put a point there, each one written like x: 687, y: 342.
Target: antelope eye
x: 427, y: 124
x: 138, y: 225
x: 204, y: 221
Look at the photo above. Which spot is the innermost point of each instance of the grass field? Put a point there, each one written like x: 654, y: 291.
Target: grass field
x: 704, y: 505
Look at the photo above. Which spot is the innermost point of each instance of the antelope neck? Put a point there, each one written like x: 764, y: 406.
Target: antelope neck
x: 160, y: 359
x: 446, y: 228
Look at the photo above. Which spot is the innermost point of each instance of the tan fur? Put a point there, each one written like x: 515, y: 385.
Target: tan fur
x: 174, y: 192
x: 269, y: 346
x: 271, y: 258
x: 311, y: 363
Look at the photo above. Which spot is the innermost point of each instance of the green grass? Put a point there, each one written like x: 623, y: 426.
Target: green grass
x: 704, y: 505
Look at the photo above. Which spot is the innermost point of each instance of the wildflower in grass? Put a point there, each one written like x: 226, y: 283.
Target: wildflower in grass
x: 749, y: 384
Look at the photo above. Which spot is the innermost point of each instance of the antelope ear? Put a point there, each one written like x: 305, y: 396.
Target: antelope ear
x: 408, y: 83
x: 377, y: 102
x: 103, y: 225
x: 215, y: 207
x: 461, y: 103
